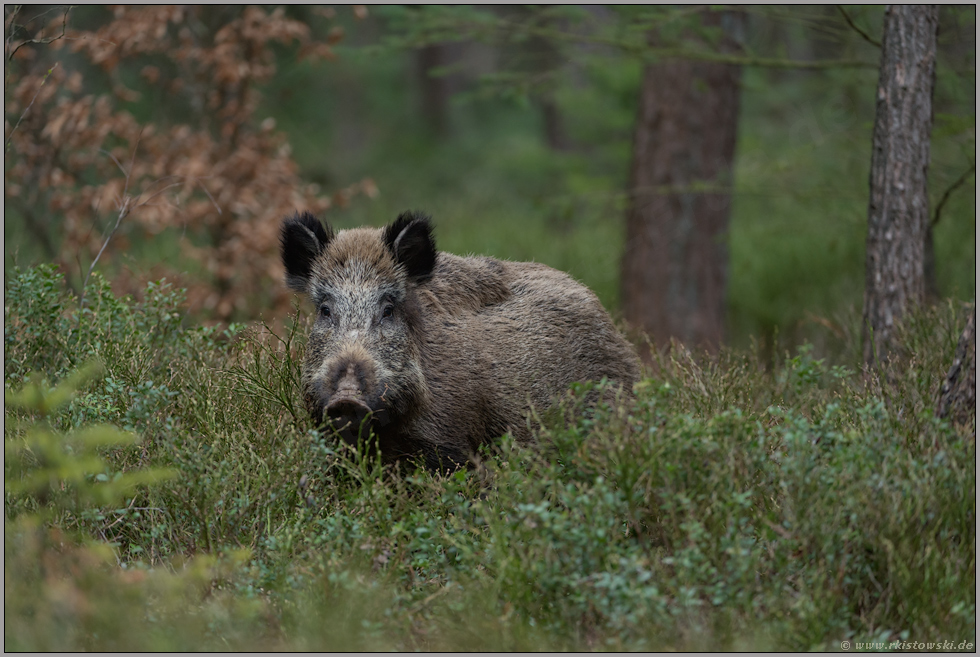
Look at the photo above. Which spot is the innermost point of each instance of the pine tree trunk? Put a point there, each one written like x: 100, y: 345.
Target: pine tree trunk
x: 929, y: 267
x: 540, y: 58
x: 675, y: 266
x: 434, y: 89
x: 898, y: 211
x: 958, y: 394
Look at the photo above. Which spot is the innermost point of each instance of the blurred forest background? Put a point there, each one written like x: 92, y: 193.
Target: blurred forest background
x: 185, y: 134
x: 164, y: 489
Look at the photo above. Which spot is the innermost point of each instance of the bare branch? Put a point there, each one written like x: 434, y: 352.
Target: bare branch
x: 86, y: 37
x: 132, y: 160
x: 137, y: 203
x: 10, y: 35
x: 28, y: 108
x: 156, y: 193
x: 952, y: 188
x: 64, y: 27
x: 113, y: 158
x: 210, y: 198
x: 867, y: 37
x: 125, y: 208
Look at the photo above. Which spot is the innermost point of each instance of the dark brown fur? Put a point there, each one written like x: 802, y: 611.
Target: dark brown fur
x: 444, y: 353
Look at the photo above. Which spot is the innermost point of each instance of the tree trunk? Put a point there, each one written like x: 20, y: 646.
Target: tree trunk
x: 929, y: 267
x: 435, y: 88
x: 958, y: 394
x: 898, y: 211
x: 539, y: 58
x: 675, y: 266
x: 554, y: 126
x: 545, y: 60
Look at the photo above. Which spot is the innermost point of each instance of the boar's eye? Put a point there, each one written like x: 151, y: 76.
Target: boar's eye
x: 388, y: 311
x: 325, y: 311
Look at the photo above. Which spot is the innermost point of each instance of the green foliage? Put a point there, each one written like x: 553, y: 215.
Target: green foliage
x: 731, y: 504
x: 62, y: 471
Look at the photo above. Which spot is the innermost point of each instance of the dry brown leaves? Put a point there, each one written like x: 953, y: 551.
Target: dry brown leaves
x: 222, y: 180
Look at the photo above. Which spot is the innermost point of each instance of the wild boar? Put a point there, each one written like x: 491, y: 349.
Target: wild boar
x: 437, y: 353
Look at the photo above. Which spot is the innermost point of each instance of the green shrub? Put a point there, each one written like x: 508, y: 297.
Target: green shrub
x: 730, y: 504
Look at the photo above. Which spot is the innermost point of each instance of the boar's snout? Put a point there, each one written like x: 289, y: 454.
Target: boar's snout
x: 347, y: 408
x: 347, y: 416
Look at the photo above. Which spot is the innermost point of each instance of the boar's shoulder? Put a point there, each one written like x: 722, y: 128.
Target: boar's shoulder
x: 461, y: 284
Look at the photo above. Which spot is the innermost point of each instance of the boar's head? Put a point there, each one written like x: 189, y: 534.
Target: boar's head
x: 362, y: 365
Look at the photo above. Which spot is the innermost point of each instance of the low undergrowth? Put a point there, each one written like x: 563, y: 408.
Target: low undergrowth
x: 164, y: 491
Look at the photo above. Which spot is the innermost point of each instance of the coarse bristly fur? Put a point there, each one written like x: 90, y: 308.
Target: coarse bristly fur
x: 439, y: 353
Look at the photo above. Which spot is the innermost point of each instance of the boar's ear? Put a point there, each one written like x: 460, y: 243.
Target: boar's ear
x: 410, y: 240
x: 302, y: 239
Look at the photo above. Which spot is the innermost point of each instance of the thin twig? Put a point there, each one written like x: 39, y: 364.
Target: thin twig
x: 158, y: 192
x: 28, y: 108
x: 128, y: 204
x: 867, y: 37
x: 210, y: 198
x: 98, y: 204
x: 41, y: 42
x: 10, y: 35
x: 86, y: 37
x: 132, y: 160
x: 125, y: 208
x: 113, y: 158
x: 952, y: 188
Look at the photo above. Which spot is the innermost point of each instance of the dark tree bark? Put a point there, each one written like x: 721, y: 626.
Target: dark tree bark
x: 540, y: 59
x: 898, y: 211
x: 675, y: 267
x: 929, y: 268
x: 554, y: 126
x: 435, y: 88
x: 545, y: 59
x: 958, y: 394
